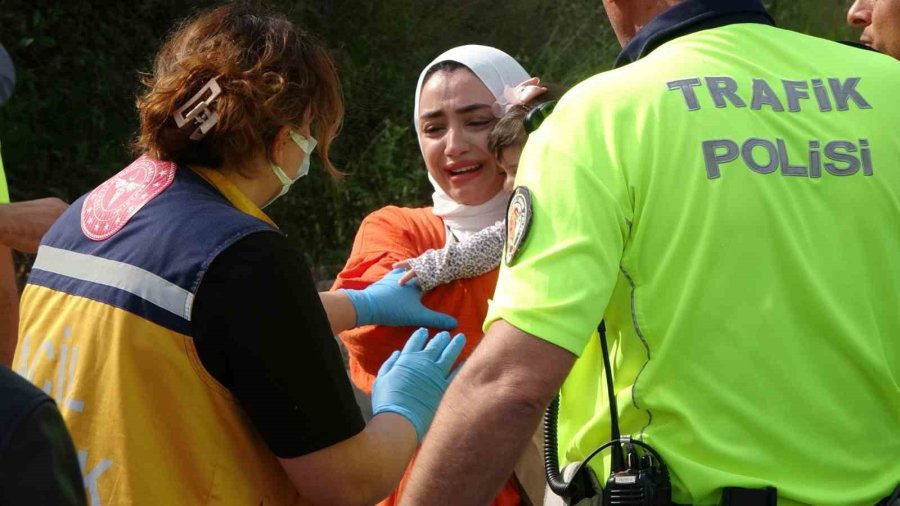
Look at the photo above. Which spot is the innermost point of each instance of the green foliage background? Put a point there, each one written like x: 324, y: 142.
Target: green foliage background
x: 68, y: 125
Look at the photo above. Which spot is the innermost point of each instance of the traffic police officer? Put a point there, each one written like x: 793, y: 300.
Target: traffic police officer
x: 727, y: 201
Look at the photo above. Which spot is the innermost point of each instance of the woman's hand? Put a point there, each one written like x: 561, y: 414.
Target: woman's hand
x: 388, y: 302
x: 411, y: 382
x: 365, y: 468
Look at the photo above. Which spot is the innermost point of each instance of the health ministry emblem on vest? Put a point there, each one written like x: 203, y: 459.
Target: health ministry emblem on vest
x: 109, y: 207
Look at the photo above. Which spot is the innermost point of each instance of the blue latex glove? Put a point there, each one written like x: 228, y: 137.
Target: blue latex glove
x: 386, y: 302
x: 412, y: 382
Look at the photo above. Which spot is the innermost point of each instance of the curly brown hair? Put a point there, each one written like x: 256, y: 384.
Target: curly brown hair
x: 271, y: 75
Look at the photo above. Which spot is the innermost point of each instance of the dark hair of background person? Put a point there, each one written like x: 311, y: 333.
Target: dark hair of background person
x: 271, y: 75
x: 510, y: 129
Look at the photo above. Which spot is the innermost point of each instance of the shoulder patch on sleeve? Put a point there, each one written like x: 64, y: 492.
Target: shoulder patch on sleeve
x: 518, y: 222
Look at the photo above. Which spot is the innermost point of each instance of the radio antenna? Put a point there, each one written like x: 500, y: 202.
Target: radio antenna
x: 618, y: 459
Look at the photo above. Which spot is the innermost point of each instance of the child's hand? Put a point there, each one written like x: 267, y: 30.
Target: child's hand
x: 409, y: 275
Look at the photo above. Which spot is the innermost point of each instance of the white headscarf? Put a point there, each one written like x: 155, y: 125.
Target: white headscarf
x: 496, y: 70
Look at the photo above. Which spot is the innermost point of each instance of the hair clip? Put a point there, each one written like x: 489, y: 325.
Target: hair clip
x: 522, y: 94
x: 200, y: 112
x: 537, y: 115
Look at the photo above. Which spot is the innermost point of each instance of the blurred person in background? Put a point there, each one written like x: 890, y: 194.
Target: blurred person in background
x: 22, y: 224
x: 38, y: 464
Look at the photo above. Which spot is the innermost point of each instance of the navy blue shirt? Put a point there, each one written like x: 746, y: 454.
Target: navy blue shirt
x: 38, y: 464
x: 688, y: 17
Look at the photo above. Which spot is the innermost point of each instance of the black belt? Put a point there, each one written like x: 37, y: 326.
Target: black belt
x: 735, y: 496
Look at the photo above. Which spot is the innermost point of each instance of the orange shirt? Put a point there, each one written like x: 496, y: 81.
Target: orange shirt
x: 390, y: 235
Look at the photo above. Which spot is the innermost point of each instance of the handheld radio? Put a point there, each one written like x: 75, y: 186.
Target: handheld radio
x: 638, y: 476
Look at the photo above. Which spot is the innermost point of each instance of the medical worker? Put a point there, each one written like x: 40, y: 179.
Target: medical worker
x: 180, y: 333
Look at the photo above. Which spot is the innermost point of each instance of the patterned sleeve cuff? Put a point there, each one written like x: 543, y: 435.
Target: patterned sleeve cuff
x: 426, y: 269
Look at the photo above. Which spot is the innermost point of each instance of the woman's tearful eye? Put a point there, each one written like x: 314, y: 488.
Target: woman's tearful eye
x: 433, y: 129
x: 481, y: 123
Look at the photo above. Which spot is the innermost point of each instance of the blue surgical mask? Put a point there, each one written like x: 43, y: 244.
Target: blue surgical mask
x: 307, y: 145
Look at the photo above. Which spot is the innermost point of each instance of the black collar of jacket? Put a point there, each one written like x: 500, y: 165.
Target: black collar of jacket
x: 688, y: 17
x: 858, y: 45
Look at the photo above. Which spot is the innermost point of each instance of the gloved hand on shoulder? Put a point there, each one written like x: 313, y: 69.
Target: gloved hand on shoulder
x: 412, y: 382
x: 387, y: 302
